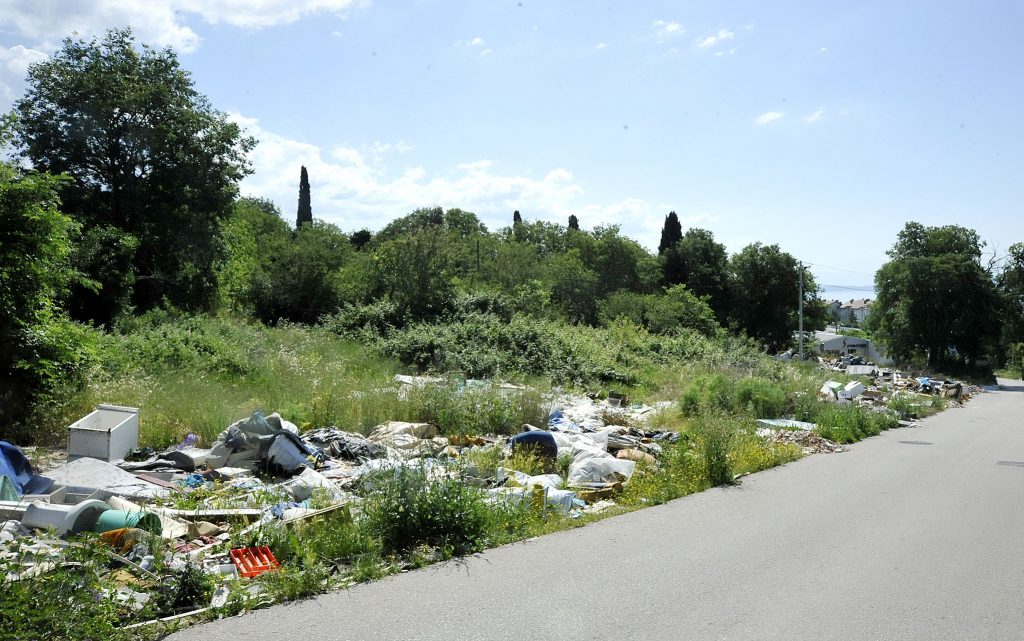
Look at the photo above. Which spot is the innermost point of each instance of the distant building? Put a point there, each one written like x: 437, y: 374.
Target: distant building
x: 832, y: 310
x: 834, y: 345
x: 853, y: 311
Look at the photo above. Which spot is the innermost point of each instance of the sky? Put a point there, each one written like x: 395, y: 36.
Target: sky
x: 820, y: 126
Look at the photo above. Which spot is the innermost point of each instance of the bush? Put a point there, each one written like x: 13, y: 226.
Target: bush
x: 64, y: 604
x: 765, y: 398
x: 849, y: 423
x: 716, y: 393
x: 408, y: 509
x: 457, y: 409
x: 715, y: 435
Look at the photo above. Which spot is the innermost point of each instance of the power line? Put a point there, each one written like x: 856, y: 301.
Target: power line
x: 852, y: 288
x: 839, y: 269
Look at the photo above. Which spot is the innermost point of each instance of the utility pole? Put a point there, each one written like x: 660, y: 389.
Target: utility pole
x: 801, y: 329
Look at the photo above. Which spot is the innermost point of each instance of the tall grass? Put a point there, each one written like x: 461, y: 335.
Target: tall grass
x: 198, y: 375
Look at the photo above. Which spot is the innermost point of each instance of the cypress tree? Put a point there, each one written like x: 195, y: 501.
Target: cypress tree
x: 516, y: 218
x: 574, y: 222
x: 671, y: 233
x: 305, y: 213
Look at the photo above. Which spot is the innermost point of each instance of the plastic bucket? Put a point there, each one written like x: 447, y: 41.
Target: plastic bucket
x: 117, y: 519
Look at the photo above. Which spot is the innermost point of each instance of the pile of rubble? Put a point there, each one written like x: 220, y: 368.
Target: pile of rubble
x: 199, y: 501
x: 884, y: 385
x: 809, y: 441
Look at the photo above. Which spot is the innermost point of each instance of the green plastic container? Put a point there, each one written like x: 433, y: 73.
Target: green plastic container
x: 117, y: 519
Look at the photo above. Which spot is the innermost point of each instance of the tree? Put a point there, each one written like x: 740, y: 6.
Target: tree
x: 704, y: 269
x: 934, y: 298
x: 255, y: 235
x: 1010, y: 285
x: 1015, y: 358
x: 415, y: 271
x: 39, y: 348
x: 671, y: 233
x: 516, y: 217
x: 361, y: 238
x: 766, y: 296
x: 148, y: 157
x: 574, y: 222
x: 620, y: 262
x: 574, y: 287
x: 455, y: 221
x: 302, y: 279
x: 671, y: 262
x: 678, y: 308
x: 305, y: 212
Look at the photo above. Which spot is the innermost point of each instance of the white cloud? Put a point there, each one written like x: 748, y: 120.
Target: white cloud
x: 601, y: 45
x: 254, y: 14
x: 665, y: 29
x: 475, y: 42
x: 486, y: 52
x: 730, y: 52
x: 17, y: 58
x: 823, y: 50
x: 711, y: 41
x: 354, y: 188
x: 815, y: 116
x: 768, y: 117
x: 378, y: 148
x: 158, y: 22
x: 14, y: 62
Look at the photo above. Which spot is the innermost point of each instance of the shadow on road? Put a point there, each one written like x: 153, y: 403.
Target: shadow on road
x: 1012, y: 387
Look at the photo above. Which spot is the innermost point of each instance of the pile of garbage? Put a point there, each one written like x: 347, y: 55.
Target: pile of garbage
x: 199, y: 501
x: 884, y: 385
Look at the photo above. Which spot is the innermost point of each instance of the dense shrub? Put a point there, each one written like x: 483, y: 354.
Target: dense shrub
x: 486, y: 345
x: 715, y: 435
x: 765, y: 398
x: 408, y: 509
x: 714, y: 392
x: 458, y: 409
x: 849, y: 423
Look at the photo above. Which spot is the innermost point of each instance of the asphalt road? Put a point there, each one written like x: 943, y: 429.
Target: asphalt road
x: 891, y: 540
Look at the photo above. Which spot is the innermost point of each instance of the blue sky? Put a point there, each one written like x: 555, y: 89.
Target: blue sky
x: 820, y: 126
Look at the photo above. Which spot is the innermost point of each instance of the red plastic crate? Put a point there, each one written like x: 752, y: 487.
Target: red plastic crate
x: 254, y: 561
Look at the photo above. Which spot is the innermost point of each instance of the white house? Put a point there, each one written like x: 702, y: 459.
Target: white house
x: 854, y: 311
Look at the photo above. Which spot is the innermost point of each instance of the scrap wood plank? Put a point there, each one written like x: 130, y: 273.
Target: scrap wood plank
x: 206, y: 515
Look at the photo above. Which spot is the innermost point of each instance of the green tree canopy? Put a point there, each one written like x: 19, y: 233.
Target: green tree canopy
x: 934, y: 297
x: 147, y: 155
x: 305, y: 211
x: 1010, y: 284
x: 39, y: 348
x: 766, y: 295
x: 671, y: 233
x: 455, y: 221
x: 704, y: 269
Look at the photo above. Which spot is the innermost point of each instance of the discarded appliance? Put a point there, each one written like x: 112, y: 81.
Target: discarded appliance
x: 108, y: 434
x: 861, y: 370
x: 830, y: 390
x: 852, y: 390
